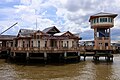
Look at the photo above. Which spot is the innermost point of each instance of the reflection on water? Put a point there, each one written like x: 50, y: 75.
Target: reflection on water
x: 87, y: 70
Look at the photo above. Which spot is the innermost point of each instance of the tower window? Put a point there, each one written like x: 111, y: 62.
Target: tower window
x: 109, y: 19
x: 103, y: 19
x: 97, y: 20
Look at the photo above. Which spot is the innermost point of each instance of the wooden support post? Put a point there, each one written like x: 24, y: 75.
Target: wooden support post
x: 60, y: 58
x: 79, y: 56
x: 65, y: 56
x: 27, y: 56
x: 8, y: 53
x: 45, y: 57
x: 14, y: 55
x: 84, y: 56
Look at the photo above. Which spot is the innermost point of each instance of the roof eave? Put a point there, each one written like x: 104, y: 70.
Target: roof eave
x: 95, y: 16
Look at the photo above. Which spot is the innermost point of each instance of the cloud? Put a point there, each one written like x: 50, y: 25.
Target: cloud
x: 65, y: 14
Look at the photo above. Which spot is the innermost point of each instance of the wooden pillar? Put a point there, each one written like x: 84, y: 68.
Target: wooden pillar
x: 45, y: 57
x: 60, y: 57
x: 84, y: 56
x: 14, y: 55
x: 8, y: 52
x: 79, y: 56
x: 27, y: 55
x: 65, y: 56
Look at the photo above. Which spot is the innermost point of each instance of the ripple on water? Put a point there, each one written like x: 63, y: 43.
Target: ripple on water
x: 77, y: 71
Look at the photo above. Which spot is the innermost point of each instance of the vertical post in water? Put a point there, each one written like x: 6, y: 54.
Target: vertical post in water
x: 45, y: 57
x: 79, y: 56
x: 27, y: 56
x: 65, y: 56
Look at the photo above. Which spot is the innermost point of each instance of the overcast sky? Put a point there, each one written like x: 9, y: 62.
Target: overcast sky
x: 72, y: 15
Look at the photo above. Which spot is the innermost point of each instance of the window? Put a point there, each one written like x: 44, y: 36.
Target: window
x: 45, y: 43
x: 100, y: 44
x: 106, y: 44
x: 103, y: 19
x: 97, y: 20
x: 67, y: 44
x: 94, y: 20
x: 23, y: 44
x: 38, y: 43
x: 11, y: 44
x: 109, y: 19
x: 32, y: 36
x: 73, y: 43
x: 62, y: 43
x: 31, y: 43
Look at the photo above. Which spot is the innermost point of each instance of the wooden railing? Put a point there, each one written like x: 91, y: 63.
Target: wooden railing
x: 47, y: 49
x: 80, y: 48
x: 102, y: 38
x: 4, y: 48
x: 105, y: 48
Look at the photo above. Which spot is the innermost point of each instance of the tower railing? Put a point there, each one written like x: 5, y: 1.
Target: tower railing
x: 102, y: 38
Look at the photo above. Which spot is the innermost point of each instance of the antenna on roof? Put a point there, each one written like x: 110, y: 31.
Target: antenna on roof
x: 36, y: 18
x: 36, y: 23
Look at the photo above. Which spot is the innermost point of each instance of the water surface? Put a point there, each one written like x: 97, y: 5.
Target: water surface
x: 84, y: 70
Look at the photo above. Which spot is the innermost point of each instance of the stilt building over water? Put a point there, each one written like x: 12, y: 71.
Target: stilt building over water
x: 101, y: 23
x: 47, y: 44
x: 51, y: 43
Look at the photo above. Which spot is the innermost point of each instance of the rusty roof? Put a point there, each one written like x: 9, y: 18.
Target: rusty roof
x: 7, y: 37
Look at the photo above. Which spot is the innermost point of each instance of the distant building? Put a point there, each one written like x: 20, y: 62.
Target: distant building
x: 86, y: 42
x: 116, y: 44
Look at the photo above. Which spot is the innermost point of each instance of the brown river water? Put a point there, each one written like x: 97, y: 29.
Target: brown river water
x: 84, y: 70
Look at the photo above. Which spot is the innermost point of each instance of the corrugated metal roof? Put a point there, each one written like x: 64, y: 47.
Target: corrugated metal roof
x: 103, y: 14
x: 46, y: 30
x: 7, y: 37
x: 25, y: 32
